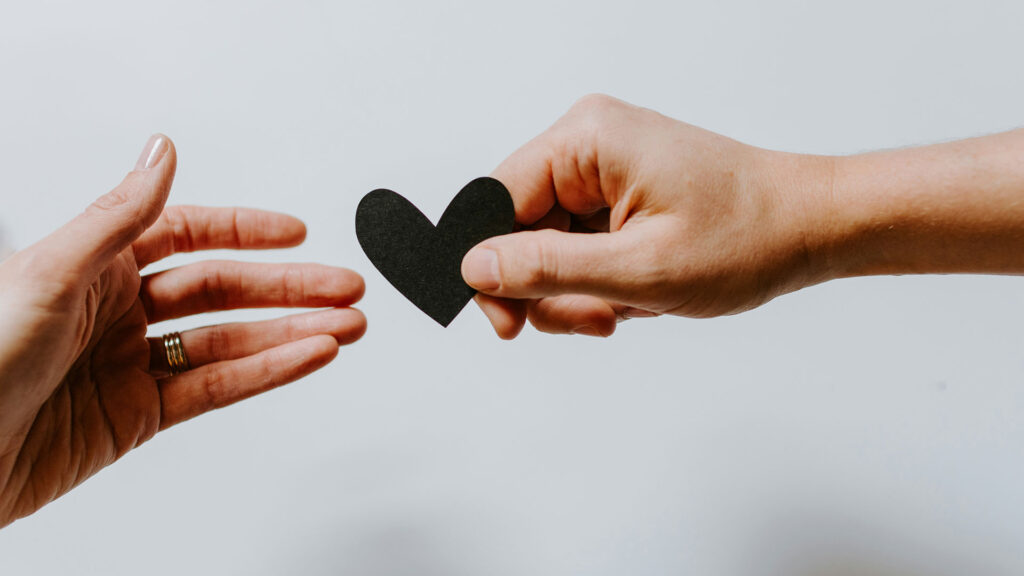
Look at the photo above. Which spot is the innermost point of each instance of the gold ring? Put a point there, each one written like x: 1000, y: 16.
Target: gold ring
x: 176, y: 357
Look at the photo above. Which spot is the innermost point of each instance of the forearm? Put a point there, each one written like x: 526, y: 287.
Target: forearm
x: 948, y: 208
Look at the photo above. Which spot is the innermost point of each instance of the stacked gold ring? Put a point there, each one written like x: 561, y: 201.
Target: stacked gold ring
x: 176, y: 357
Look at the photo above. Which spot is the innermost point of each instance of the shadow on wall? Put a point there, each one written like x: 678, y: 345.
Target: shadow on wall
x: 387, y: 549
x: 857, y: 567
x: 812, y: 545
x: 809, y: 545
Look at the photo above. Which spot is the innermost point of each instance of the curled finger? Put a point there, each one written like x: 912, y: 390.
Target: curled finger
x: 573, y: 314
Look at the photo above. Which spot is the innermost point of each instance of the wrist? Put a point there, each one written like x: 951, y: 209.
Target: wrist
x: 861, y: 220
x: 805, y: 224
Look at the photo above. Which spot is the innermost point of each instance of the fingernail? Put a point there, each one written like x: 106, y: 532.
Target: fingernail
x: 587, y: 331
x: 480, y: 269
x: 152, y: 153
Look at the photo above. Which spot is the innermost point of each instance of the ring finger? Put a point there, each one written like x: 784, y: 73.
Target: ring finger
x: 241, y: 339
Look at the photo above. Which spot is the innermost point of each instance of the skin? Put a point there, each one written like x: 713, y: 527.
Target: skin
x: 81, y: 385
x: 626, y: 213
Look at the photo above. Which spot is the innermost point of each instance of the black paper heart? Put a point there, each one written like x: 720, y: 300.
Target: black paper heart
x: 423, y: 261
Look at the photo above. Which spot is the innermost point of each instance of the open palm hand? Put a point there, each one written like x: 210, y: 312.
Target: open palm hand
x: 81, y: 382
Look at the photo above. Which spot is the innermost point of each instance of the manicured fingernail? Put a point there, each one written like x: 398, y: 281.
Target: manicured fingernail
x: 587, y: 331
x: 152, y: 153
x: 480, y: 269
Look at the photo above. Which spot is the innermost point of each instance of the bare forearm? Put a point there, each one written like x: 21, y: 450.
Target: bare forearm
x: 702, y: 225
x: 949, y: 208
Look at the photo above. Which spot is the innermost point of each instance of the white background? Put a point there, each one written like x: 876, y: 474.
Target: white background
x: 869, y: 426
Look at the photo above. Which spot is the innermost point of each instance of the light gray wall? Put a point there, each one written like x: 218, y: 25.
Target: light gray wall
x: 869, y: 426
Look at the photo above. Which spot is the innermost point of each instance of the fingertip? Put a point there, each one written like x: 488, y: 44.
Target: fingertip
x: 85, y: 246
x: 509, y: 330
x: 311, y: 354
x: 171, y: 156
x: 600, y: 328
x: 349, y: 286
x: 254, y: 228
x: 574, y: 314
x: 604, y: 320
x: 159, y: 169
x: 352, y: 326
x: 153, y: 152
x: 358, y: 286
x: 346, y: 325
x: 480, y: 268
x: 507, y: 317
x: 323, y: 349
x: 293, y: 229
x: 162, y: 160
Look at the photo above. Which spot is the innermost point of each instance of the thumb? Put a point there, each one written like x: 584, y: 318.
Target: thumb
x: 87, y: 244
x: 541, y: 263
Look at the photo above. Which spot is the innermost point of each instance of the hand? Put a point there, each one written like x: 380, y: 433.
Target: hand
x: 691, y: 223
x: 80, y: 384
x: 684, y: 222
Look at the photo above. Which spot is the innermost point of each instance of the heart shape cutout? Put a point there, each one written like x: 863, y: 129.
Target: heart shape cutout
x: 424, y: 261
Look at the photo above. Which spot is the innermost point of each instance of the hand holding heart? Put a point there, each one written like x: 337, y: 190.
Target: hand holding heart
x: 682, y: 221
x: 623, y: 213
x: 691, y: 223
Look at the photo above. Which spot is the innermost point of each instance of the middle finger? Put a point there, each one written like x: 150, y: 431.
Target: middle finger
x: 224, y: 285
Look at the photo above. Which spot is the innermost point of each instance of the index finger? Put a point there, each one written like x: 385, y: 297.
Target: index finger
x: 563, y: 164
x: 191, y: 228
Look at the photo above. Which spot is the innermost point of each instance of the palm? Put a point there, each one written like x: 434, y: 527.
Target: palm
x: 108, y: 402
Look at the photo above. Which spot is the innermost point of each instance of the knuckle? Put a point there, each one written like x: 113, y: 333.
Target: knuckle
x: 214, y: 285
x: 112, y: 200
x: 238, y: 237
x: 594, y: 112
x: 218, y: 343
x: 293, y: 285
x: 213, y: 390
x: 120, y: 206
x: 539, y: 269
x: 296, y: 327
x: 121, y: 198
x: 273, y: 368
x: 597, y: 105
x: 181, y: 233
x: 591, y: 121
